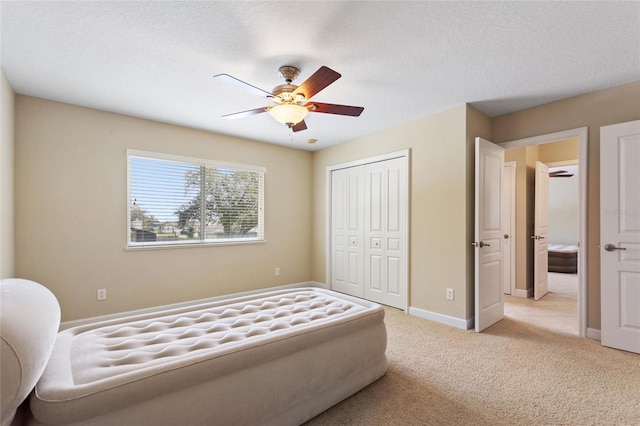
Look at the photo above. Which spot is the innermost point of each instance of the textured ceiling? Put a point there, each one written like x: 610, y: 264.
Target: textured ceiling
x: 399, y: 60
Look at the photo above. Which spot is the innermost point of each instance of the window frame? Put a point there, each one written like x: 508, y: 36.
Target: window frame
x: 146, y: 245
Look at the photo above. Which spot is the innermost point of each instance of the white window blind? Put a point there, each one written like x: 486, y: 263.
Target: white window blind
x: 180, y: 201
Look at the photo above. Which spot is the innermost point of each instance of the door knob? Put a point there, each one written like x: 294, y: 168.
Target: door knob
x: 480, y: 244
x: 506, y: 236
x: 611, y: 247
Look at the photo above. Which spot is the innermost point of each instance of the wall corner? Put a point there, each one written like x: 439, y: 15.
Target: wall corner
x: 7, y: 178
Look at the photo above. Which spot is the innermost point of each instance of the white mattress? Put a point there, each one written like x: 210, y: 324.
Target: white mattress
x: 99, y: 368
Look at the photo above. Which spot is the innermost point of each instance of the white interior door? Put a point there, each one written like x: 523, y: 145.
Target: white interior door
x: 620, y: 235
x: 489, y: 291
x: 541, y: 232
x: 385, y: 220
x: 508, y: 224
x: 347, y: 221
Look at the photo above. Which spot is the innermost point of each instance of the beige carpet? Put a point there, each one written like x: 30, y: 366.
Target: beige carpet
x: 514, y: 373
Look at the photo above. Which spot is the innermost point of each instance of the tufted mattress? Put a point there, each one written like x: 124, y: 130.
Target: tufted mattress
x: 278, y: 357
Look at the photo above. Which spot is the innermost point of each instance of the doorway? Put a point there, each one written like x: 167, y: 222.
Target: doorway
x: 564, y: 215
x: 524, y: 267
x: 556, y: 309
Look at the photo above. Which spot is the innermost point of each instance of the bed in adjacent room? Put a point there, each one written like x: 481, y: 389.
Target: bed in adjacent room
x: 563, y: 258
x: 276, y: 357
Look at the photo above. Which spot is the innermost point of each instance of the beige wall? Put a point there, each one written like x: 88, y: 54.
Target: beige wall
x: 440, y: 203
x: 615, y: 105
x: 564, y: 150
x: 71, y: 212
x: 7, y: 113
x: 523, y: 218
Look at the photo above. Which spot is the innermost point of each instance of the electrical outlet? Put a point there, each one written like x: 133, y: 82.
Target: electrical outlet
x: 102, y: 294
x: 450, y: 293
x: 277, y: 272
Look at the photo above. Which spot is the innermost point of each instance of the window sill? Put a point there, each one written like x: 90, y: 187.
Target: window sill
x: 192, y: 245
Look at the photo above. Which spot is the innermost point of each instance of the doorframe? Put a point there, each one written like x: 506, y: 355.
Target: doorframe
x: 406, y: 154
x: 582, y: 133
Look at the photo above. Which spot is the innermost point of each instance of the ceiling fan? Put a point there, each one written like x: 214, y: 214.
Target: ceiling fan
x: 560, y: 173
x: 292, y: 102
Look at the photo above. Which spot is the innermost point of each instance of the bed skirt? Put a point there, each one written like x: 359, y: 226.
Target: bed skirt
x: 563, y: 258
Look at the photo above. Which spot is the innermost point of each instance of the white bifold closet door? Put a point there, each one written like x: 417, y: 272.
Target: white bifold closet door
x: 369, y: 231
x: 347, y: 223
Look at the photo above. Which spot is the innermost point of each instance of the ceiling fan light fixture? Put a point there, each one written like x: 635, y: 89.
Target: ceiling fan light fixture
x: 288, y: 114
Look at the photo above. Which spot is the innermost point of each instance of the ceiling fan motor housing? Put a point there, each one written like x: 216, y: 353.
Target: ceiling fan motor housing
x: 284, y: 93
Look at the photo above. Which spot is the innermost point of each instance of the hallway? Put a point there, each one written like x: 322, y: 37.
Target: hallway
x: 557, y: 310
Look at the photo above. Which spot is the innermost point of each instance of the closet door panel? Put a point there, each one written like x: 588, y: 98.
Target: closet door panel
x: 385, y: 224
x: 338, y: 231
x: 347, y: 220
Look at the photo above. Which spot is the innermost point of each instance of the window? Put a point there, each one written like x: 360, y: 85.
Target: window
x: 184, y: 201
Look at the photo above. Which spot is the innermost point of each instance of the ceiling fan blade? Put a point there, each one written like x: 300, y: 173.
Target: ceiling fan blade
x: 226, y: 78
x: 300, y: 126
x: 352, y: 111
x: 318, y: 81
x: 557, y: 172
x: 245, y: 113
x: 563, y: 175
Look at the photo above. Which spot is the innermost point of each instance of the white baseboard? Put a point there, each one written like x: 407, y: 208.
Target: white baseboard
x: 524, y: 293
x: 317, y: 284
x: 594, y: 333
x: 441, y: 318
